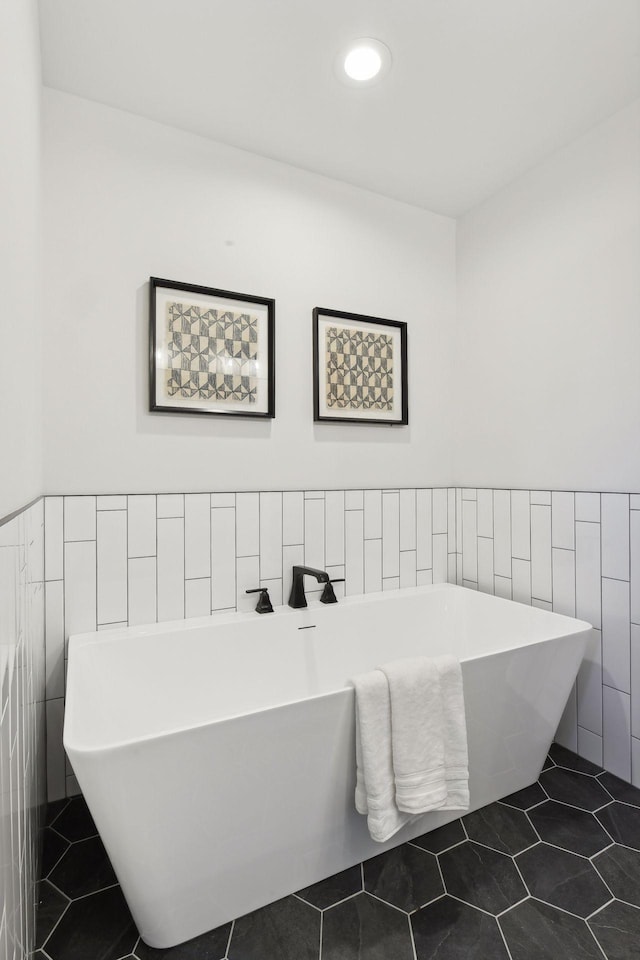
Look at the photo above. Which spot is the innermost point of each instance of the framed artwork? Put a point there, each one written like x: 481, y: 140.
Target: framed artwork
x: 359, y: 368
x: 210, y: 351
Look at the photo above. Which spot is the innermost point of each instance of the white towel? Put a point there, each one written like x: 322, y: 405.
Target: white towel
x: 454, y: 734
x: 417, y: 734
x: 375, y: 787
x: 411, y: 742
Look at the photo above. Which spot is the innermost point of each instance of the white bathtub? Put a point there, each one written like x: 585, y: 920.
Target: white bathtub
x: 217, y: 755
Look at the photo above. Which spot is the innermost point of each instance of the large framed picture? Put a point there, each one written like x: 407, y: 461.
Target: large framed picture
x: 359, y: 368
x: 211, y: 351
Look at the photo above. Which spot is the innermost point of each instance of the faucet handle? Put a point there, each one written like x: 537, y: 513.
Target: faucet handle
x: 264, y: 602
x: 328, y: 594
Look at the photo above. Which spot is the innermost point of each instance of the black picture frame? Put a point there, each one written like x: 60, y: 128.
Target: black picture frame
x: 207, y: 358
x: 379, y: 348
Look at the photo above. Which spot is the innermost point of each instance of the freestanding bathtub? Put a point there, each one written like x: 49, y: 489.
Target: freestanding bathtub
x: 217, y: 755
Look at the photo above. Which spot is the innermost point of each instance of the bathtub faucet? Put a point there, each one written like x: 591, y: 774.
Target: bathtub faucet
x: 297, y: 597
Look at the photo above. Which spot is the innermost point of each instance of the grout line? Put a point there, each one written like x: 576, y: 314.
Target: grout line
x: 94, y: 893
x: 607, y: 904
x: 437, y: 856
x: 603, y: 879
x: 533, y: 827
x: 555, y: 846
x: 233, y: 924
x: 582, y: 773
x: 513, y: 905
x: 472, y: 905
x: 440, y: 852
x: 67, y: 800
x: 427, y: 903
x: 524, y: 883
x: 54, y: 927
x: 596, y: 941
x: 487, y: 846
x: 302, y: 900
x: 626, y: 846
x: 627, y: 903
x: 582, y: 809
x: 351, y: 896
x: 413, y: 942
x: 554, y: 906
x: 387, y: 903
x: 604, y: 849
x: 504, y: 939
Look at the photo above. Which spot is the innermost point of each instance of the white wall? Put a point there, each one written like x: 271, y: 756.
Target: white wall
x: 547, y: 360
x: 125, y: 199
x: 20, y: 382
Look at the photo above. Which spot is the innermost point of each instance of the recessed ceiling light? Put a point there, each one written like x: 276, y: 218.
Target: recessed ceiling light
x: 365, y: 61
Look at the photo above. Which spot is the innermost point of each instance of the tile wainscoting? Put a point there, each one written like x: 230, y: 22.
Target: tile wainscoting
x: 22, y: 726
x: 577, y: 554
x: 130, y: 559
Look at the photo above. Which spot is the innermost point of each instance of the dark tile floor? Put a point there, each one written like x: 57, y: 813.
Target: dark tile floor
x: 549, y: 873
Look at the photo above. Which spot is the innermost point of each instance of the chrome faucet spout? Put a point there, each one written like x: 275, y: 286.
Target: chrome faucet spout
x: 297, y: 598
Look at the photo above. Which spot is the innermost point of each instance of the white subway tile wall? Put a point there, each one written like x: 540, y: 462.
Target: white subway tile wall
x: 578, y: 554
x: 22, y: 714
x: 145, y: 558
x: 192, y: 554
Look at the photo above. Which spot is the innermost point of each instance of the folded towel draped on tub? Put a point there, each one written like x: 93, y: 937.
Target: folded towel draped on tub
x: 411, y: 742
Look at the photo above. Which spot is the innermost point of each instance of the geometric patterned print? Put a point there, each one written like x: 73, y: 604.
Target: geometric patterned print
x: 211, y: 354
x: 359, y: 369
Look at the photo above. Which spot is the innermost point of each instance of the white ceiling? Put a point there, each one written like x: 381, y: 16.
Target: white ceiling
x: 479, y: 90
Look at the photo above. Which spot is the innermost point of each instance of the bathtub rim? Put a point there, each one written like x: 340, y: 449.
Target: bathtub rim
x: 73, y: 742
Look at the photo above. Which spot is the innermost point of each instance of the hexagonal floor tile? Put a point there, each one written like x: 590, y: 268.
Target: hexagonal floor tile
x: 566, y: 758
x: 406, y: 877
x: 209, y: 946
x: 84, y: 868
x: 442, y: 837
x: 536, y: 931
x: 327, y: 892
x: 75, y: 822
x: 54, y: 809
x: 571, y: 829
x: 360, y: 928
x: 617, y: 929
x: 51, y: 906
x: 481, y: 877
x: 53, y: 847
x: 620, y: 789
x: 622, y: 823
x: 576, y: 789
x: 500, y: 827
x: 450, y: 930
x: 99, y: 925
x: 619, y: 867
x: 527, y: 798
x: 562, y: 879
x: 287, y: 929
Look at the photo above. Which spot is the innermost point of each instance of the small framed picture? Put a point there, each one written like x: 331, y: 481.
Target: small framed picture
x: 211, y: 351
x: 359, y: 368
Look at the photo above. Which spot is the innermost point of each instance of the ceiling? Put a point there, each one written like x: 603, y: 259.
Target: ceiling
x: 479, y: 90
